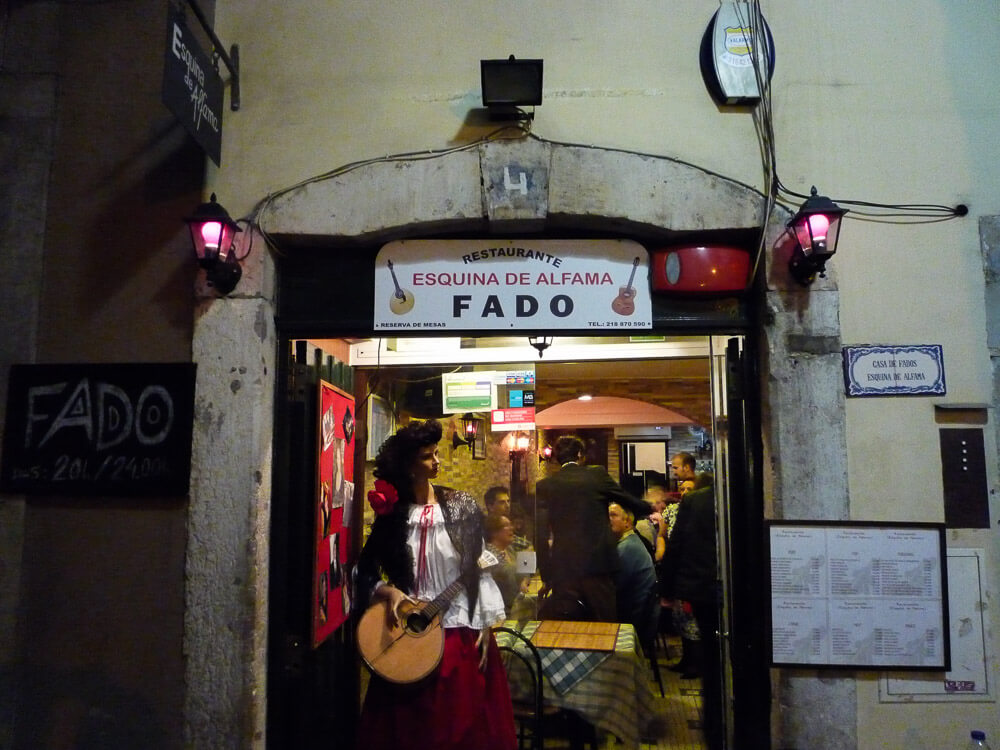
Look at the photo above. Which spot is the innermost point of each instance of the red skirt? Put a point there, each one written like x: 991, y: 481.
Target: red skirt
x: 458, y: 707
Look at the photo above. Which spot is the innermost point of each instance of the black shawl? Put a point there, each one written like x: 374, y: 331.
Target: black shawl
x: 386, y: 554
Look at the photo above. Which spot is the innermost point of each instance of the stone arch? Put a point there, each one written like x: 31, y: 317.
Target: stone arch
x: 496, y: 186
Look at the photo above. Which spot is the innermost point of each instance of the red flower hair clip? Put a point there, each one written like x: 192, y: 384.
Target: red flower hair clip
x: 383, y: 497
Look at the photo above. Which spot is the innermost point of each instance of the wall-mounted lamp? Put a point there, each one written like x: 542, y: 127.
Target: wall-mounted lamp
x: 545, y: 454
x: 470, y: 428
x: 541, y: 343
x: 212, y: 235
x: 815, y: 230
x: 510, y: 84
x: 519, y: 444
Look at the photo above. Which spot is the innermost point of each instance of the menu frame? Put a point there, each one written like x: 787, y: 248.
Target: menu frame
x: 904, y: 541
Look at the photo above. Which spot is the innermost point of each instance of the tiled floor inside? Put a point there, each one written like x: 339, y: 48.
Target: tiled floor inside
x: 680, y: 707
x: 681, y: 704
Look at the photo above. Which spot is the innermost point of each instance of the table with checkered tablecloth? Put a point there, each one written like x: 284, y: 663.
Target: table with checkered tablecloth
x: 610, y: 689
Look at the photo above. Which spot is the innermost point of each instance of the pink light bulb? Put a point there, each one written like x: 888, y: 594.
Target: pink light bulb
x: 819, y: 225
x: 211, y: 232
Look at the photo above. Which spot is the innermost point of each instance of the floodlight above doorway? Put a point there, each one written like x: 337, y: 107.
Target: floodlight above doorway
x: 509, y: 85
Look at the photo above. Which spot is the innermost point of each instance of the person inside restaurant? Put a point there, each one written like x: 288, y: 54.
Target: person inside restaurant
x: 499, y: 536
x: 579, y: 569
x: 635, y: 581
x: 497, y: 501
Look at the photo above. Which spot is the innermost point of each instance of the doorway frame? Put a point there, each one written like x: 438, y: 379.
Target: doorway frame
x: 804, y: 472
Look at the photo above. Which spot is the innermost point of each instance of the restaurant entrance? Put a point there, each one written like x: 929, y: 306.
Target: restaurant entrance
x: 685, y: 393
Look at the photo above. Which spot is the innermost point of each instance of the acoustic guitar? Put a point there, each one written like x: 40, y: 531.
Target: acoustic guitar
x: 623, y: 304
x: 411, y: 649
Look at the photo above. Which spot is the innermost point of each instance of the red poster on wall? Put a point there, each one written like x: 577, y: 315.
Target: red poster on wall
x: 334, y: 495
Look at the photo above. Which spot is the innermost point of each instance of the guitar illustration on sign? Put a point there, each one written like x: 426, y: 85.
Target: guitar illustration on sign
x: 623, y: 304
x: 401, y: 301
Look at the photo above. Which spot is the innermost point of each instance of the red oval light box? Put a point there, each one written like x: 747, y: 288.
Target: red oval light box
x: 700, y: 269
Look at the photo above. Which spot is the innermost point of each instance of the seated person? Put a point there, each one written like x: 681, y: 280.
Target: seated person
x: 499, y: 534
x: 519, y: 518
x: 497, y: 500
x: 658, y: 497
x: 635, y: 581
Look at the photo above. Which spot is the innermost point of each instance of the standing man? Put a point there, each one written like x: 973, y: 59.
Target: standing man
x: 683, y: 465
x: 696, y: 580
x: 579, y: 568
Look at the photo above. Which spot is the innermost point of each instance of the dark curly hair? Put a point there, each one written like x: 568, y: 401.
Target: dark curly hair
x: 396, y: 455
x: 386, y: 549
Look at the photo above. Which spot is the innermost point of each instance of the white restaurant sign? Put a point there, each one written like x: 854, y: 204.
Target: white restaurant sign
x: 498, y: 284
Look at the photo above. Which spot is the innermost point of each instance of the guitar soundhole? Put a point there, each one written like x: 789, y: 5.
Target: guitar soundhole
x: 416, y: 622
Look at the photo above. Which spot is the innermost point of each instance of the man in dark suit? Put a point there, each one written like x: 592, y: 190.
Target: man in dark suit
x: 579, y: 568
x: 696, y: 580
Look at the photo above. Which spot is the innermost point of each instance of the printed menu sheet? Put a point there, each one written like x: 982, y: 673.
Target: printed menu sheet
x: 857, y: 595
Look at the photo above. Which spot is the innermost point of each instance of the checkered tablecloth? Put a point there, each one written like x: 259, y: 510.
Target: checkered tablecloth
x: 565, y: 667
x: 609, y: 689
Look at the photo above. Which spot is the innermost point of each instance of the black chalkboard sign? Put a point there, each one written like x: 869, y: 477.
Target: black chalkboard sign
x: 99, y: 429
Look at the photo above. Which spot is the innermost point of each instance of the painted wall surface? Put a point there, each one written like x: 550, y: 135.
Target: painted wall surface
x: 870, y: 102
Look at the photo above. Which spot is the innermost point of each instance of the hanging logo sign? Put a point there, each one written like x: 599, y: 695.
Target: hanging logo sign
x: 192, y: 87
x: 496, y: 284
x: 916, y: 370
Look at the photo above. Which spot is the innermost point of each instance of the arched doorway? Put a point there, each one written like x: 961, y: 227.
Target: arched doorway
x: 570, y: 189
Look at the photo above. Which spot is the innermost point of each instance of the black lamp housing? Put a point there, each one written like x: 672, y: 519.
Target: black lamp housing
x: 212, y: 233
x: 470, y: 428
x: 541, y: 343
x: 815, y: 230
x: 510, y: 84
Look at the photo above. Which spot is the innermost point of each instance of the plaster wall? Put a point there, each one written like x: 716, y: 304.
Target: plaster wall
x: 872, y: 105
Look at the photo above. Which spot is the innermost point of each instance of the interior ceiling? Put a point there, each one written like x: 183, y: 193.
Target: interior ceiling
x: 680, y: 383
x: 695, y: 368
x: 608, y: 411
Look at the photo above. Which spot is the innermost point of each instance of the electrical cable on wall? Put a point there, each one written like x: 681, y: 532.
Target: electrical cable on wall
x: 777, y: 193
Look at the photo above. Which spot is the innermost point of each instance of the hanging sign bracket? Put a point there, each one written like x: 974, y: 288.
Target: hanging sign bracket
x: 231, y: 61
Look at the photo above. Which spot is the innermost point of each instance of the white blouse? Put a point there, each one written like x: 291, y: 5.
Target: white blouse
x: 437, y: 566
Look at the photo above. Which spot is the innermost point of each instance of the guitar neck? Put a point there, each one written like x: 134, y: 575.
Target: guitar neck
x: 399, y: 290
x: 631, y: 276
x: 442, y: 600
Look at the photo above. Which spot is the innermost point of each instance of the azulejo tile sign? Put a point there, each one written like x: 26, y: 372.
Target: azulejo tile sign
x: 913, y: 370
